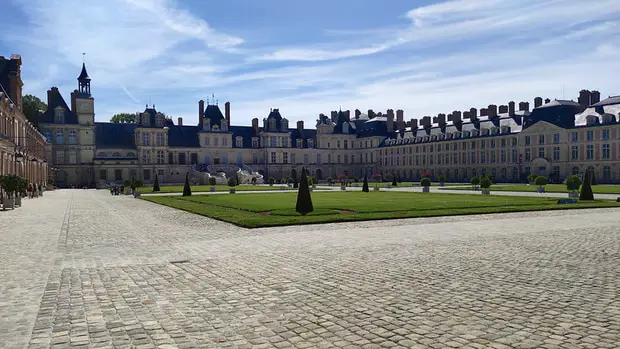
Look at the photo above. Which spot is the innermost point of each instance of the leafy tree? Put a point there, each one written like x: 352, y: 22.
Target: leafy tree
x: 541, y: 181
x: 586, y: 188
x: 531, y: 178
x: 425, y: 182
x: 187, y: 190
x: 32, y: 106
x: 573, y: 183
x: 475, y: 181
x: 394, y: 183
x: 123, y: 118
x: 212, y: 181
x: 295, y: 181
x: 304, y: 200
x: 485, y: 183
x: 365, y: 185
x: 156, y: 184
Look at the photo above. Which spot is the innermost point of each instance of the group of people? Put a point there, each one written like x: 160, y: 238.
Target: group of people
x: 34, y: 190
x: 116, y: 189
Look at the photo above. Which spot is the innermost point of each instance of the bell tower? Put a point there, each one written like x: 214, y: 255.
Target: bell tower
x: 82, y: 102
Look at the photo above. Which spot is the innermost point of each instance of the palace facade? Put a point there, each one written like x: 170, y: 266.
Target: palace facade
x: 556, y: 138
x: 23, y: 149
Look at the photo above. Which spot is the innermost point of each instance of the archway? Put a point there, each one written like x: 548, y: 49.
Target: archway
x: 318, y: 174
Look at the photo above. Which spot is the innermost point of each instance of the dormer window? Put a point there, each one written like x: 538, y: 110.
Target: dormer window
x: 485, y: 131
x: 216, y: 128
x: 475, y: 133
x: 300, y: 143
x: 59, y: 115
x: 311, y: 143
x: 449, y: 136
x: 345, y: 127
x: 456, y: 135
x: 284, y: 124
x: 206, y: 124
x: 442, y: 136
x: 255, y: 142
x: 272, y: 123
x: 466, y: 134
x: 591, y: 120
x: 607, y: 119
x: 505, y: 129
x: 239, y: 142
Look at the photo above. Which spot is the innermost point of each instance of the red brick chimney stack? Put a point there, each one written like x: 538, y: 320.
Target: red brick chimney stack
x: 180, y: 121
x: 227, y: 112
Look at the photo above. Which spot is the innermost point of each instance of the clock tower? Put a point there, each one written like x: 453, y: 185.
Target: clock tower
x: 84, y: 106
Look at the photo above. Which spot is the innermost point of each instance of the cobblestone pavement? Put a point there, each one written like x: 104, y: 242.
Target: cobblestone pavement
x: 83, y: 269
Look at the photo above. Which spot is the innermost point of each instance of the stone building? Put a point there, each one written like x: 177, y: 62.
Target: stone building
x: 555, y: 139
x: 22, y: 147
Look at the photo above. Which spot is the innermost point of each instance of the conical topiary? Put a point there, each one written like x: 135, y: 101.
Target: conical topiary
x: 187, y: 190
x: 365, y: 185
x: 592, y: 177
x: 156, y: 184
x: 304, y: 200
x: 586, y: 187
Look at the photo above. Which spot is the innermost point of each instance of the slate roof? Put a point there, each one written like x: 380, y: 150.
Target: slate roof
x: 83, y: 74
x: 608, y: 101
x: 7, y: 68
x: 560, y: 113
x: 115, y: 135
x: 56, y: 100
x: 184, y: 136
x: 306, y: 135
x: 214, y: 114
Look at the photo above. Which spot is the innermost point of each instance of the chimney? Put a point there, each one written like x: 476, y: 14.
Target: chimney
x: 400, y: 117
x: 15, y: 81
x: 483, y: 112
x: 511, y: 108
x: 537, y: 102
x: 595, y: 97
x: 390, y: 121
x: 426, y: 122
x: 371, y: 114
x: 503, y: 109
x: 201, y: 112
x: 49, y: 96
x: 180, y: 121
x: 473, y: 113
x: 547, y: 100
x: 73, y: 101
x: 300, y: 125
x: 456, y: 117
x: 357, y: 114
x: 414, y: 124
x: 227, y: 113
x: 584, y: 98
x: 255, y: 125
x: 441, y: 119
x: 492, y: 111
x: 466, y: 114
x: 347, y: 114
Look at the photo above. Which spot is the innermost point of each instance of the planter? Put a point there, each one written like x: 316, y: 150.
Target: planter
x: 18, y: 200
x: 573, y: 194
x: 212, y: 189
x: 540, y: 189
x: 343, y: 187
x: 486, y: 191
x: 231, y: 191
x: 8, y: 203
x: 376, y: 189
x: 426, y: 189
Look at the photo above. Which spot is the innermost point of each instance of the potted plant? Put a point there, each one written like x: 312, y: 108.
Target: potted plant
x: 377, y: 178
x: 343, y: 181
x: 442, y: 180
x: 475, y: 182
x: 138, y: 183
x: 531, y: 178
x: 425, y: 182
x: 541, y: 181
x: 9, y: 184
x: 572, y: 185
x: 212, y: 183
x: 271, y: 181
x: 282, y: 182
x: 232, y: 183
x: 485, y: 184
x: 22, y: 187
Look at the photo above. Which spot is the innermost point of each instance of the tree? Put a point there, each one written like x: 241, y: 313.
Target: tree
x: 304, y: 200
x: 33, y: 106
x: 573, y: 183
x: 187, y: 190
x: 485, y: 183
x: 295, y: 181
x: 156, y: 184
x: 586, y: 187
x: 425, y: 182
x: 541, y: 181
x: 394, y: 183
x: 475, y: 181
x: 365, y: 185
x: 123, y: 118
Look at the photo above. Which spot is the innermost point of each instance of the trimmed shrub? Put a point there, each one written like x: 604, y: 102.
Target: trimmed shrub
x: 138, y: 183
x: 475, y: 181
x: 272, y: 181
x: 156, y: 184
x: 586, y: 188
x: 232, y: 181
x: 531, y: 178
x: 365, y: 185
x: 187, y: 190
x: 573, y: 183
x: 485, y: 183
x: 304, y: 200
x: 127, y: 183
x: 541, y: 181
x: 425, y: 182
x: 593, y: 178
x: 253, y: 180
x: 442, y: 178
x: 212, y: 181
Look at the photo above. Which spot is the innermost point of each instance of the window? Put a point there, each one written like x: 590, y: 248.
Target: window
x: 575, y: 170
x: 160, y: 139
x: 146, y: 157
x: 514, y: 141
x: 60, y: 137
x: 224, y: 142
x: 605, y: 135
x: 306, y: 159
x: 606, y: 173
x: 589, y: 135
x: 60, y: 157
x: 101, y: 154
x: 147, y: 175
x: 239, y: 143
x: 574, y: 137
x: 605, y: 151
x: 48, y: 136
x: 556, y: 153
x: 541, y: 139
x: 181, y: 159
x: 528, y: 154
x: 482, y: 144
x: 160, y: 157
x: 502, y: 155
x: 73, y: 157
x: 170, y: 158
x: 492, y: 143
x: 59, y: 116
x: 310, y: 143
x: 273, y: 157
x: 527, y: 140
x: 72, y: 137
x: 285, y: 158
x: 216, y: 142
x: 473, y: 157
x: 118, y: 175
x: 483, y: 157
x: 255, y: 142
x: 339, y: 159
x: 116, y: 154
x: 574, y: 152
x: 103, y: 174
x: 590, y: 152
x: 146, y: 139
x: 541, y: 152
x: 556, y: 138
x: 193, y: 158
x: 492, y: 157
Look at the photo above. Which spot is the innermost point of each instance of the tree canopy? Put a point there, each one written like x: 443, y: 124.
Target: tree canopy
x: 123, y: 118
x: 32, y: 106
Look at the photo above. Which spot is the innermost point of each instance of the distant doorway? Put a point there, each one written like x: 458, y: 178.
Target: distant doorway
x: 318, y: 173
x: 216, y: 161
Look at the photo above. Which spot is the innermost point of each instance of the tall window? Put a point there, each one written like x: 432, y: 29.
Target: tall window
x: 574, y: 152
x: 502, y: 155
x: 483, y: 158
x: 72, y: 157
x: 574, y: 137
x: 60, y: 137
x: 528, y: 154
x: 273, y: 157
x: 146, y: 157
x: 605, y: 134
x: 541, y: 139
x: 59, y: 116
x: 285, y: 158
x: 254, y: 142
x: 541, y: 152
x: 556, y: 153
x: 492, y: 157
x: 160, y: 157
x: 160, y: 139
x: 60, y: 157
x: 146, y: 139
x: 590, y: 135
x: 239, y: 142
x: 556, y: 138
x: 72, y: 137
x: 605, y: 151
x: 590, y: 152
x: 527, y: 140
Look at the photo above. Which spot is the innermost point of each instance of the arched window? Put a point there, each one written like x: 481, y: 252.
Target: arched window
x: 72, y: 137
x: 116, y: 154
x: 72, y: 157
x: 60, y: 137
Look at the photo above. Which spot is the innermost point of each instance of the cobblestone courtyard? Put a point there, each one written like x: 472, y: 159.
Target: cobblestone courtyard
x: 83, y: 269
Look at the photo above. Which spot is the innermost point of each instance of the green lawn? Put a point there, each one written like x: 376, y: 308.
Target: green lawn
x: 263, y: 210
x: 402, y: 184
x: 551, y: 188
x: 206, y: 188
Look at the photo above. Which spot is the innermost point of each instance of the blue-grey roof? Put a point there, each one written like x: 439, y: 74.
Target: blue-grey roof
x: 559, y: 113
x: 214, y: 114
x: 115, y: 135
x: 184, y: 136
x: 83, y: 74
x: 608, y: 101
x: 56, y: 100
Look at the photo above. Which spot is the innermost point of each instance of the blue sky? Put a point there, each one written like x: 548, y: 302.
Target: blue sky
x: 311, y: 57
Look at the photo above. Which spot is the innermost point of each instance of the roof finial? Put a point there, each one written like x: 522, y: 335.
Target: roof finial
x: 216, y: 101
x: 83, y: 57
x: 208, y: 101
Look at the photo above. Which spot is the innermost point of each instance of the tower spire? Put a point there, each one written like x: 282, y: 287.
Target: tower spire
x: 84, y: 79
